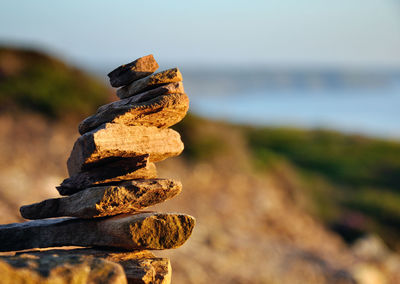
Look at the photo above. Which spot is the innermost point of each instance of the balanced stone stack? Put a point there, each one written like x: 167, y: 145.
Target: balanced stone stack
x: 112, y: 176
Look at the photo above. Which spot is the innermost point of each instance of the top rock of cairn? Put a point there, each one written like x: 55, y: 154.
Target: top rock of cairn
x: 113, y: 176
x: 127, y: 73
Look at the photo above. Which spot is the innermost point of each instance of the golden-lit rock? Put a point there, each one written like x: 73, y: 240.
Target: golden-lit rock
x: 162, y: 111
x: 126, y: 197
x: 119, y: 170
x: 58, y: 269
x: 127, y: 73
x: 171, y: 88
x: 131, y: 232
x: 139, y: 266
x: 114, y: 140
x: 164, y: 77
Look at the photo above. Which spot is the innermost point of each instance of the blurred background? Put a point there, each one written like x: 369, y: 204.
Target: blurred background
x: 292, y: 160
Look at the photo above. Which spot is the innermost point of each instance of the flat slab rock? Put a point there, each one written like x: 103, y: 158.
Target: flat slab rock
x: 112, y: 172
x: 114, y: 140
x: 126, y: 197
x: 49, y: 268
x: 161, y: 111
x: 127, y: 73
x: 132, y: 232
x: 170, y: 88
x: 138, y: 266
x: 164, y: 77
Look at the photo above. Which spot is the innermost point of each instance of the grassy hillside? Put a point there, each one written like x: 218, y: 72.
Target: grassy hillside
x: 361, y: 189
x: 346, y: 159
x: 351, y: 183
x: 30, y: 80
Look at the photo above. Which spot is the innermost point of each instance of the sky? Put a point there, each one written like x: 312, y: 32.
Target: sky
x: 344, y: 33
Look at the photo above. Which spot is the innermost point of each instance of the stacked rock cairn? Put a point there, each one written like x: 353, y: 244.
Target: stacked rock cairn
x: 112, y: 177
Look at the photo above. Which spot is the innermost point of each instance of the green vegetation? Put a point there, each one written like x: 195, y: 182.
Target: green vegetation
x: 33, y: 81
x: 345, y: 175
x: 347, y: 159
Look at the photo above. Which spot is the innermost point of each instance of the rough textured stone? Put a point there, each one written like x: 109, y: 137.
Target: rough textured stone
x: 139, y: 266
x: 168, y: 76
x: 162, y: 111
x: 171, y: 88
x: 126, y: 197
x: 49, y: 268
x: 127, y: 73
x: 140, y: 231
x: 113, y: 140
x: 109, y: 173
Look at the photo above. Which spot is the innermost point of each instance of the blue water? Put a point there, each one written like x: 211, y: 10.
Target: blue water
x: 370, y: 113
x: 362, y: 108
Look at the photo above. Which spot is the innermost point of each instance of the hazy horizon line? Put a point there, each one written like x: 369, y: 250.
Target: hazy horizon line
x: 91, y: 64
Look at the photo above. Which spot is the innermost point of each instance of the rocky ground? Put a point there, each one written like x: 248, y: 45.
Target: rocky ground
x: 251, y: 226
